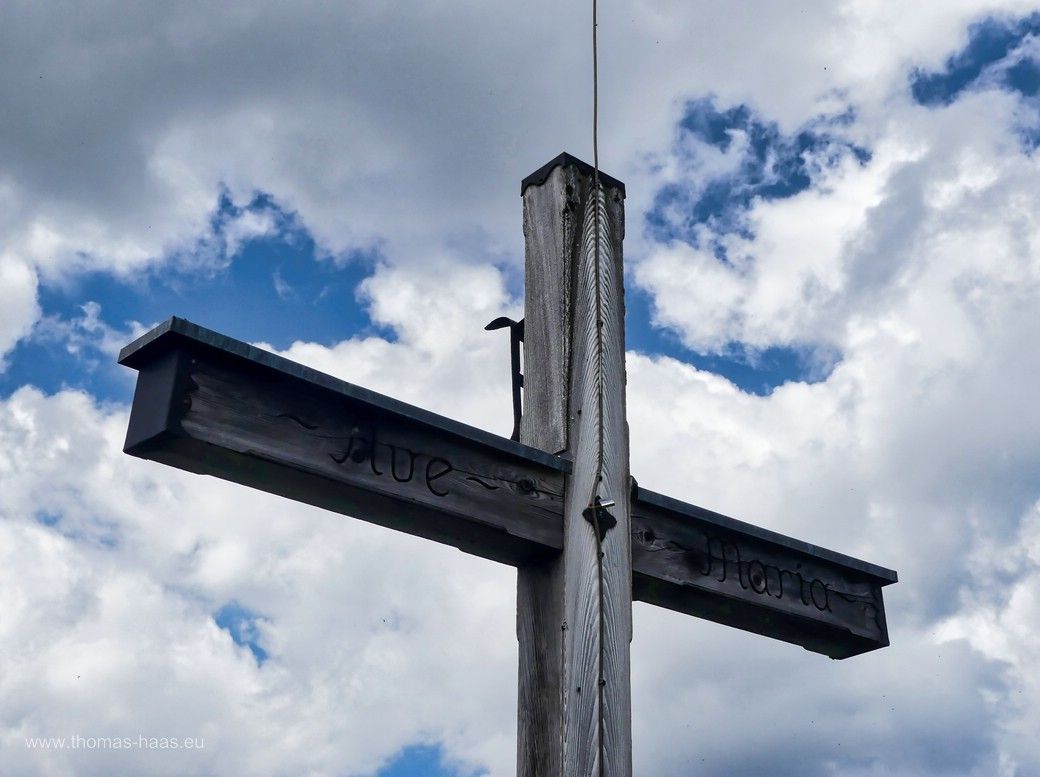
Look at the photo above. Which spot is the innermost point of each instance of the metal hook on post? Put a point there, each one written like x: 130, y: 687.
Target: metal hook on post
x: 516, y: 336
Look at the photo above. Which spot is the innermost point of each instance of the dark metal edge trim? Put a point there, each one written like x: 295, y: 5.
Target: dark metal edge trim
x: 539, y: 176
x: 660, y: 501
x: 178, y: 331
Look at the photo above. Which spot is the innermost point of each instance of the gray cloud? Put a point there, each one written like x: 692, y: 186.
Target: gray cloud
x: 409, y: 128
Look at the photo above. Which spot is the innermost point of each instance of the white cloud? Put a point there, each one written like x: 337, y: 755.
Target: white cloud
x: 1000, y: 617
x: 409, y: 132
x: 384, y: 128
x: 443, y: 359
x: 281, y: 286
x: 944, y: 202
x: 18, y: 308
x: 88, y: 335
x: 246, y: 226
x: 109, y: 628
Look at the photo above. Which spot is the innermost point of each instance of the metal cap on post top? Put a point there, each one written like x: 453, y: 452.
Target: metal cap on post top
x: 540, y: 175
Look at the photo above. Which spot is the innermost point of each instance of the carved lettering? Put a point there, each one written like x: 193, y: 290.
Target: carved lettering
x: 393, y: 464
x: 794, y: 576
x: 362, y: 448
x: 757, y: 575
x: 774, y: 589
x: 823, y: 603
x: 372, y: 449
x: 357, y: 450
x: 432, y: 473
x: 722, y: 560
x: 728, y: 554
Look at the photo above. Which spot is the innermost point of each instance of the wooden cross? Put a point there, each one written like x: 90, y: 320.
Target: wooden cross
x: 559, y: 505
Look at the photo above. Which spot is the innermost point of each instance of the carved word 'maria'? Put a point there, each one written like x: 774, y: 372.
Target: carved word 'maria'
x: 396, y: 461
x: 721, y: 560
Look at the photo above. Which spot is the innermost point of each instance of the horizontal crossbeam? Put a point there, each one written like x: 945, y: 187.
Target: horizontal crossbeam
x: 209, y: 404
x: 702, y: 563
x: 213, y: 405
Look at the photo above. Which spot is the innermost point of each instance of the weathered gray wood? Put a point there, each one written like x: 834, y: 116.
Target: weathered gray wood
x: 207, y: 403
x: 574, y: 613
x: 705, y: 564
x: 250, y: 423
x: 540, y: 624
x: 213, y: 405
x: 549, y: 237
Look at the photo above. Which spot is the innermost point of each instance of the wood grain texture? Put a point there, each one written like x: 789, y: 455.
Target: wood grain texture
x: 250, y: 424
x: 207, y: 403
x: 540, y: 622
x: 583, y: 726
x: 699, y: 563
x: 550, y: 233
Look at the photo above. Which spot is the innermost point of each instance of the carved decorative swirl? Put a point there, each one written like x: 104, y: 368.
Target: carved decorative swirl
x: 300, y: 421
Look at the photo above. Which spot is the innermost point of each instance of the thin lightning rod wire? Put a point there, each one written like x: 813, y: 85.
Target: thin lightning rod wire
x: 601, y: 684
x: 596, y: 249
x: 597, y: 236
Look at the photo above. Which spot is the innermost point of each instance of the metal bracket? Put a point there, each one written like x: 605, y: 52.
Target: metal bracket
x: 599, y: 517
x: 516, y: 336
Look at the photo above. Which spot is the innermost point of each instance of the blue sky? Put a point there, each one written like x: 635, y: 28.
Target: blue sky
x: 991, y: 43
x: 832, y: 280
x: 275, y: 288
x: 417, y: 760
x: 773, y: 165
x: 278, y: 288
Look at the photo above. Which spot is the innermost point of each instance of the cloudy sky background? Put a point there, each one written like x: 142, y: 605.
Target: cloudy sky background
x: 833, y: 255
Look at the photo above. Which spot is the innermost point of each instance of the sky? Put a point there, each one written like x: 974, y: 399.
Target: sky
x: 832, y: 262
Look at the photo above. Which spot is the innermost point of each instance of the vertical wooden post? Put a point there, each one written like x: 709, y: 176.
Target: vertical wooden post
x: 574, y: 612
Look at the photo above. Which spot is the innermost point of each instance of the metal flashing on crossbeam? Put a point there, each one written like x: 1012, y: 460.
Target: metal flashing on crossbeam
x: 176, y: 330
